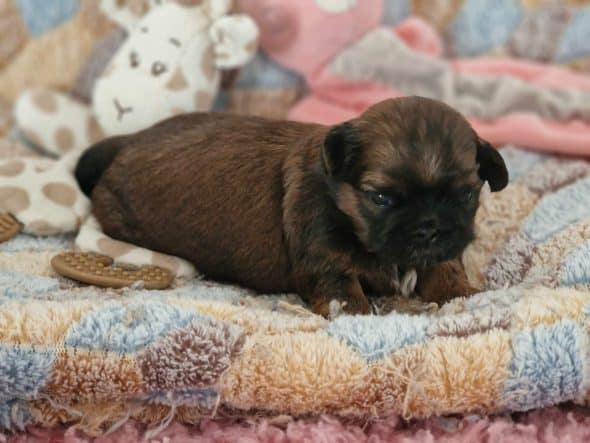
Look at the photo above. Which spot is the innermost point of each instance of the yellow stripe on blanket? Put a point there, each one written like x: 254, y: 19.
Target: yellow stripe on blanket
x: 298, y: 373
x: 445, y: 375
x: 40, y: 323
x: 547, y: 306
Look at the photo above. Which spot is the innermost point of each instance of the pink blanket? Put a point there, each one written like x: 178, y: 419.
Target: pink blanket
x: 551, y: 425
x: 350, y: 61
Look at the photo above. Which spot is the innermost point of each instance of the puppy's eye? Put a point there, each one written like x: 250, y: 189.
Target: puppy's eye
x: 158, y: 68
x: 382, y: 200
x: 134, y: 59
x: 467, y: 196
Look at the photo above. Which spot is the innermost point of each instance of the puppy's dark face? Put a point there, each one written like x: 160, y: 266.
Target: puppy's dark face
x: 408, y: 174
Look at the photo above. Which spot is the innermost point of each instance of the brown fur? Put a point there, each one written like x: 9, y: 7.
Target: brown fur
x: 444, y: 282
x: 259, y: 203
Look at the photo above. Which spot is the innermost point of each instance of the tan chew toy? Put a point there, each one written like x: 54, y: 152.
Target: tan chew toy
x: 9, y: 227
x: 99, y: 270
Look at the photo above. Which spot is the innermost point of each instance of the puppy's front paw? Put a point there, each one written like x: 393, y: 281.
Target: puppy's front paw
x: 444, y: 282
x: 333, y: 307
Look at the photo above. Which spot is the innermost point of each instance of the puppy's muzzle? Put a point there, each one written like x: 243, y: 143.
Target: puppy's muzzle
x: 427, y: 232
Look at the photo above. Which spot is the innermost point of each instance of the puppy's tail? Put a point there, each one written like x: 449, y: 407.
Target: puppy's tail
x: 94, y: 162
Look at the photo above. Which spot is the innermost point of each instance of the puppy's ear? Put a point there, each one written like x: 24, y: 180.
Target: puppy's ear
x: 491, y: 166
x: 341, y: 149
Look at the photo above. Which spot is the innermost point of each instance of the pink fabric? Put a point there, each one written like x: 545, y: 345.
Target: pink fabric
x: 348, y: 93
x: 529, y: 130
x: 335, y: 99
x: 420, y: 36
x: 309, y: 36
x: 542, y: 75
x: 313, y: 109
x: 520, y: 129
x: 553, y: 425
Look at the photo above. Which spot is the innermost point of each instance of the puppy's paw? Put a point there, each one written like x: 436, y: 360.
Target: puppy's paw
x: 444, y: 282
x: 331, y: 308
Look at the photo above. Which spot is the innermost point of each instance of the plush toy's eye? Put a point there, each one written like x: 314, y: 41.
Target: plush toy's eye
x: 382, y: 200
x: 158, y: 68
x: 134, y: 59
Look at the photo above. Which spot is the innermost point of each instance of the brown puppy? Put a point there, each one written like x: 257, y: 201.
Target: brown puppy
x: 278, y: 206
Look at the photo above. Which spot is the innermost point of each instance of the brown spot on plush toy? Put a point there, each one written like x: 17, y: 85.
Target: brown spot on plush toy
x: 60, y: 193
x: 11, y: 168
x: 14, y: 199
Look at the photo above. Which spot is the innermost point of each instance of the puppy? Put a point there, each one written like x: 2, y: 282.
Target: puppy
x: 331, y: 213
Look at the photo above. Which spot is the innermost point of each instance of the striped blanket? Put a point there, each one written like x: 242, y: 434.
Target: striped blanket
x: 74, y: 354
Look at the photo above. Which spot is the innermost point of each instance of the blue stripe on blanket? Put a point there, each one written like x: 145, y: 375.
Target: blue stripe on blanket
x: 576, y: 267
x: 374, y: 337
x: 482, y: 25
x: 25, y: 242
x: 41, y: 16
x: 558, y: 211
x: 14, y: 414
x: 23, y: 371
x: 394, y: 12
x: 519, y: 162
x: 575, y: 41
x: 127, y: 328
x: 19, y: 286
x: 546, y: 366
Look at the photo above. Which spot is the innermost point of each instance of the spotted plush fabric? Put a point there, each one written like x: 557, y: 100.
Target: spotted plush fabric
x: 95, y: 358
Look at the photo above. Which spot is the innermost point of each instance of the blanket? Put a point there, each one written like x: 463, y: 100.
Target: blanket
x: 96, y: 357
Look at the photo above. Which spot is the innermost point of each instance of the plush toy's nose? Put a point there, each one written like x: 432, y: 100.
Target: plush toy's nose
x: 121, y: 110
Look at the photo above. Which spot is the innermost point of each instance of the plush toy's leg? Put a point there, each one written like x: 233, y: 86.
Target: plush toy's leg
x: 42, y: 194
x: 55, y: 122
x: 92, y: 239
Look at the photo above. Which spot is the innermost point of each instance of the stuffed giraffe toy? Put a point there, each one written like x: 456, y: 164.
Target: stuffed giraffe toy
x: 169, y: 64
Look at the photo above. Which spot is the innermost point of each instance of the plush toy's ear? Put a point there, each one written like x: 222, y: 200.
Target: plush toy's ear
x: 341, y: 148
x: 235, y: 40
x: 491, y: 166
x: 215, y: 8
x: 197, y: 65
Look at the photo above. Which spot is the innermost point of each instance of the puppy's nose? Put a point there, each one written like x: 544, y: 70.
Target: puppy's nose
x: 427, y: 230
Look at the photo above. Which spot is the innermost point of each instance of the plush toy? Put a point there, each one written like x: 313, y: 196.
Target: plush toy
x: 169, y: 64
x: 42, y: 194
